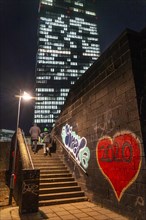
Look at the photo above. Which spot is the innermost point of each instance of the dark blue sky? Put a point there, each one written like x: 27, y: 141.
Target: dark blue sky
x: 18, y: 45
x: 117, y: 15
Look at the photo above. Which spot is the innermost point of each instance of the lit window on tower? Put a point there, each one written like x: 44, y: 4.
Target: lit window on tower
x: 67, y: 46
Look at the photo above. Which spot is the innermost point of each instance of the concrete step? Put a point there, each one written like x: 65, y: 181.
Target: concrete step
x: 59, y: 189
x: 50, y: 167
x: 62, y: 201
x: 39, y: 161
x: 58, y: 184
x: 41, y: 154
x: 46, y: 158
x: 61, y: 195
x: 55, y: 175
x: 57, y: 179
x: 54, y: 171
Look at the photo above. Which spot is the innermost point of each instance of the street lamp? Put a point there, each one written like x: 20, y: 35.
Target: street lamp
x: 26, y: 97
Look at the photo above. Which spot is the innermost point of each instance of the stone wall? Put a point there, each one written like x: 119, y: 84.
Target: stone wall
x: 4, y: 155
x: 102, y: 126
x: 4, y: 164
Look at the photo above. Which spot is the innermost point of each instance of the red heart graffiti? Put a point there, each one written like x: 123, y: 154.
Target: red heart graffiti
x: 119, y: 160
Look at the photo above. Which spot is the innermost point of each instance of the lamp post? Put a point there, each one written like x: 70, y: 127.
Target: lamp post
x: 26, y: 97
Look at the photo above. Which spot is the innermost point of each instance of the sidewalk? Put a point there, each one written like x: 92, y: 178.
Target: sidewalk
x: 71, y: 211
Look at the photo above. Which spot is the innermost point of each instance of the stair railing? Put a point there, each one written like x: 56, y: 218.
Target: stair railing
x: 70, y: 155
x: 25, y: 177
x: 28, y: 152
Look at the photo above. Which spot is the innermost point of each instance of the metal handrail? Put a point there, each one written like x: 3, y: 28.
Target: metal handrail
x: 70, y: 154
x: 27, y: 150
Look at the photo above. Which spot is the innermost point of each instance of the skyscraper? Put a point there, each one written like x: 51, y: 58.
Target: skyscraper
x: 67, y: 46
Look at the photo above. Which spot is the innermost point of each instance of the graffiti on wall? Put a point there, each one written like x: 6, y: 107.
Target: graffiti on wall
x: 139, y: 205
x: 32, y: 188
x: 108, y: 123
x: 76, y: 145
x: 119, y: 159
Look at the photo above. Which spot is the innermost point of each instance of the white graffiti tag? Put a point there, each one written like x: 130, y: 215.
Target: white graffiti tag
x: 29, y: 188
x: 76, y: 145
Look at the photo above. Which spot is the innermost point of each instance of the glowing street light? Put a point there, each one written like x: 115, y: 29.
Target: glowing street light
x: 25, y: 96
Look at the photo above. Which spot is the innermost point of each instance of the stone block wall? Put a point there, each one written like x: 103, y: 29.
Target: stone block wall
x: 4, y: 156
x: 102, y: 125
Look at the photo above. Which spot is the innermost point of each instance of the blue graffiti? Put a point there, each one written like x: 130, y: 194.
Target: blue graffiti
x: 76, y: 145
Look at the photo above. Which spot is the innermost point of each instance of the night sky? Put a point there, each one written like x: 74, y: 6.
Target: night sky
x: 18, y: 46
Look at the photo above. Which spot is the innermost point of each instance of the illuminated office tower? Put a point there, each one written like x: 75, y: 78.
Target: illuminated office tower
x: 67, y: 46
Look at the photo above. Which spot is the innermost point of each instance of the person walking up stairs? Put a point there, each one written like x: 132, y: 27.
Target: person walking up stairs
x: 47, y: 141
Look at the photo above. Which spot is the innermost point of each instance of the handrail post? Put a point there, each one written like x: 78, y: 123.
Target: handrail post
x: 30, y: 191
x: 29, y: 182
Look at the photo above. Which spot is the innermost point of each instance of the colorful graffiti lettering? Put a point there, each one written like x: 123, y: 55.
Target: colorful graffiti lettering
x: 76, y: 145
x: 119, y: 160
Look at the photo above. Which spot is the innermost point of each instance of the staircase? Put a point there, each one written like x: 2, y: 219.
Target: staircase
x: 57, y: 186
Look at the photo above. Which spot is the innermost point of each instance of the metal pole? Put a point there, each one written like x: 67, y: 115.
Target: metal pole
x: 15, y: 154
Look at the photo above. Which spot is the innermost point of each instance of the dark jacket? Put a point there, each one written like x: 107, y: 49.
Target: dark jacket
x: 34, y: 132
x: 46, y: 137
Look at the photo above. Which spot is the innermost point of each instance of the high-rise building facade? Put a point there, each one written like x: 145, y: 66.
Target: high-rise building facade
x: 67, y: 46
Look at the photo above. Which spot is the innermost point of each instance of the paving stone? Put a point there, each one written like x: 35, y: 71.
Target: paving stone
x: 80, y: 215
x: 73, y: 211
x: 68, y: 217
